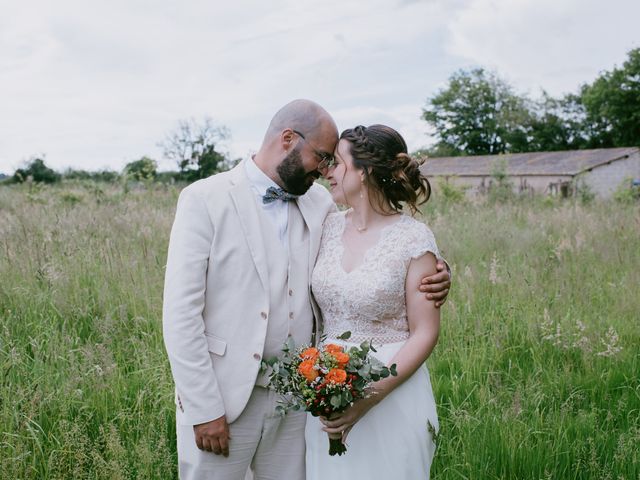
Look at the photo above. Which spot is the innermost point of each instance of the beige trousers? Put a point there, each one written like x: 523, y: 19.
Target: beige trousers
x: 271, y: 444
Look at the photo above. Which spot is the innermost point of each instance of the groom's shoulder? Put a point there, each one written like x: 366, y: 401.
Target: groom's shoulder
x: 210, y: 186
x: 319, y: 194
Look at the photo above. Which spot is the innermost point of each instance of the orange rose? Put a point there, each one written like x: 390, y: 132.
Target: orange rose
x: 332, y: 348
x: 307, y: 371
x: 342, y: 358
x: 310, y: 353
x: 336, y: 375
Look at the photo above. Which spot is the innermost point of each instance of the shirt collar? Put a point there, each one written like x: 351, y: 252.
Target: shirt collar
x: 257, y: 178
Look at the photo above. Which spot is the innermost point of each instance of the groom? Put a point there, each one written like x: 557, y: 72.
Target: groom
x: 241, y: 251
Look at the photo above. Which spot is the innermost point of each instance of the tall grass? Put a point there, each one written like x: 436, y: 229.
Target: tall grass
x: 86, y: 389
x: 536, y: 372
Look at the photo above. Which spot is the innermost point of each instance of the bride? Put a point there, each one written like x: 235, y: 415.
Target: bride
x: 368, y: 255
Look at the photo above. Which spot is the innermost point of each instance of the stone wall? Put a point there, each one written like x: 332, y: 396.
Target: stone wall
x: 605, y: 179
x: 602, y: 180
x: 477, y: 185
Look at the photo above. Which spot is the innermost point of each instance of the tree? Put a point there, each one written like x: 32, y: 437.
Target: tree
x: 478, y: 113
x: 37, y: 171
x: 104, y: 175
x: 612, y: 105
x: 195, y: 146
x: 557, y: 124
x: 143, y: 169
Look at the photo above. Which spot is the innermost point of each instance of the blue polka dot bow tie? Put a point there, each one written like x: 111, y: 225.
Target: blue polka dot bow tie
x: 274, y: 194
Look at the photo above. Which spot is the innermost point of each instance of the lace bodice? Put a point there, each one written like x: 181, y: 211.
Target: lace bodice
x: 369, y: 301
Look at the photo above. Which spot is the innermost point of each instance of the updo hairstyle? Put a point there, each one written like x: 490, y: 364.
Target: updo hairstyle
x: 381, y: 153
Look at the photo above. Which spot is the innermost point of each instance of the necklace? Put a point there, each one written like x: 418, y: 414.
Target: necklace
x: 364, y: 227
x: 359, y: 229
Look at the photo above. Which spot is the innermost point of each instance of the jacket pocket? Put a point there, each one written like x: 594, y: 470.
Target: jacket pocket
x: 216, y: 344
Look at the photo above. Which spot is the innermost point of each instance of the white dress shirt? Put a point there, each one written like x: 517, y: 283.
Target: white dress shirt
x: 277, y: 211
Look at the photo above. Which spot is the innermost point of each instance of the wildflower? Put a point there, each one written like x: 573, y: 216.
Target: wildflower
x: 581, y: 341
x: 546, y: 325
x: 467, y: 272
x: 563, y: 246
x: 548, y: 333
x: 611, y: 344
x: 493, y: 270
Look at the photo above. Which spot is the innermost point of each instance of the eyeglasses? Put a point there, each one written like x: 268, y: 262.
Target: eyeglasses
x: 327, y: 160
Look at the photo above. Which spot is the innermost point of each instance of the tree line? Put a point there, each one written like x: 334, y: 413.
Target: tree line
x: 194, y: 146
x: 477, y: 113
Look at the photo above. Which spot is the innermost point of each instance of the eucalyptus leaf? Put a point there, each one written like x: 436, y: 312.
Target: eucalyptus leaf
x: 290, y: 344
x: 271, y: 361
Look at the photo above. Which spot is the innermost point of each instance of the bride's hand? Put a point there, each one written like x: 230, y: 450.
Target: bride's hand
x: 344, y: 422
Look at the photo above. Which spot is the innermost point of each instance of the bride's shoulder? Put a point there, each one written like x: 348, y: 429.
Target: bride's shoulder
x: 334, y: 219
x: 418, y: 237
x: 337, y: 216
x: 415, y: 226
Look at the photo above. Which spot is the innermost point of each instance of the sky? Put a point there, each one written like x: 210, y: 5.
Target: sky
x: 97, y: 84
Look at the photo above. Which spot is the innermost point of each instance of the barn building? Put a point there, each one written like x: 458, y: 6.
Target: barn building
x: 555, y: 173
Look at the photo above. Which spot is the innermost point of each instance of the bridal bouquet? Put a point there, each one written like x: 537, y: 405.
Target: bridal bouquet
x: 326, y: 380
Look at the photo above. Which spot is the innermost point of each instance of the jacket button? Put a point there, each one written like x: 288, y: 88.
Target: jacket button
x: 291, y: 315
x: 256, y: 356
x: 290, y: 292
x: 263, y: 315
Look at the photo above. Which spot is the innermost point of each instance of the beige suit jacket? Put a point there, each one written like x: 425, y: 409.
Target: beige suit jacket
x: 216, y: 294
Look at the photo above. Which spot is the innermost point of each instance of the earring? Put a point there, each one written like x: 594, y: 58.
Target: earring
x: 361, y: 188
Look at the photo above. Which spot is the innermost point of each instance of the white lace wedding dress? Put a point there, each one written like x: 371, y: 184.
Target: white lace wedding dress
x: 394, y: 439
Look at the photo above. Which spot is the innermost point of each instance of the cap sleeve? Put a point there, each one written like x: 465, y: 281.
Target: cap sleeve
x: 422, y: 241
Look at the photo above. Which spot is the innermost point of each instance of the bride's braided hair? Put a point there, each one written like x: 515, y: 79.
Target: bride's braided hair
x: 381, y: 153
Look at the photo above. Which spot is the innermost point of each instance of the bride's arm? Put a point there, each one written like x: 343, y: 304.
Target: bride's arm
x: 424, y: 325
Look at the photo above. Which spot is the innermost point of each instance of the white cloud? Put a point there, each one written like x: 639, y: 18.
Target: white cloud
x: 97, y: 84
x: 550, y: 44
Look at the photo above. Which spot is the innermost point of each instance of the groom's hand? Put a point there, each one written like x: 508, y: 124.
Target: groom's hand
x: 437, y: 285
x: 213, y: 436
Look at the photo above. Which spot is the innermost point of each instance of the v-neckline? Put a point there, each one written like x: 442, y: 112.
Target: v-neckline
x: 375, y: 245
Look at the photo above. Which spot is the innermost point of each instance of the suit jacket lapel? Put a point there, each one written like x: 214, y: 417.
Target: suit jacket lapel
x: 245, y: 204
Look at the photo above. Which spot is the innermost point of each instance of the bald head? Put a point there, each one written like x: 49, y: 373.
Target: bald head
x: 303, y: 115
x: 300, y: 135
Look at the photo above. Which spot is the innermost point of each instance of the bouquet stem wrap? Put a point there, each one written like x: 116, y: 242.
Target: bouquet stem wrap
x: 336, y: 447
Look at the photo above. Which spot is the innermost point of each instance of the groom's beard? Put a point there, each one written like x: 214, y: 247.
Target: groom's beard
x: 295, y: 179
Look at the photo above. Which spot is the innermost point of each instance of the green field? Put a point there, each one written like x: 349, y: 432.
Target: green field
x: 536, y: 373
